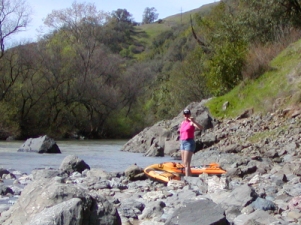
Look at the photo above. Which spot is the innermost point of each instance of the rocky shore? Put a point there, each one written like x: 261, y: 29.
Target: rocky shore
x: 261, y: 154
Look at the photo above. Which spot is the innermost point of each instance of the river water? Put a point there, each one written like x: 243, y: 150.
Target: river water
x: 104, y: 154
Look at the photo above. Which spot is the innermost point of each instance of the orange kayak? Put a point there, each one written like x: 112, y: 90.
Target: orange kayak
x: 173, y: 171
x: 174, y: 167
x: 160, y: 175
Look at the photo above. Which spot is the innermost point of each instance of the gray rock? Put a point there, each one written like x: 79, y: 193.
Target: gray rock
x: 68, y: 212
x: 152, y: 210
x: 154, y: 150
x: 4, y: 207
x: 5, y: 190
x: 203, y: 212
x: 3, y: 172
x: 42, y: 144
x: 38, y: 174
x: 131, y: 209
x: 135, y: 172
x: 258, y: 217
x: 166, y: 130
x: 72, y: 163
x: 171, y: 147
x: 263, y: 204
x: 241, y: 196
x: 53, y: 196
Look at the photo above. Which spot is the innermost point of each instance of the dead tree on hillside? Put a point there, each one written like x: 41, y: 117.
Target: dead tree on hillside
x: 203, y: 45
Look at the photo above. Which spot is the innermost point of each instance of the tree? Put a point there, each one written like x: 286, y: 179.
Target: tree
x: 149, y: 15
x: 23, y: 90
x: 118, y: 31
x: 81, y: 26
x: 14, y: 16
x: 122, y: 15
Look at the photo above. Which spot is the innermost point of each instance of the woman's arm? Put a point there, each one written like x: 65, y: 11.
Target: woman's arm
x: 195, y: 124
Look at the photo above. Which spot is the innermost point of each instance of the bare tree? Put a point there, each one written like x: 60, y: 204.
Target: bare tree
x: 14, y: 16
x: 80, y: 25
x: 76, y: 18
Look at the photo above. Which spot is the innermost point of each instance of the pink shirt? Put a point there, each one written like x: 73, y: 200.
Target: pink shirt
x: 186, y: 130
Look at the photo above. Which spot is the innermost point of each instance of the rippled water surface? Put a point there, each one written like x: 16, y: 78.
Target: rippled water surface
x: 104, y: 154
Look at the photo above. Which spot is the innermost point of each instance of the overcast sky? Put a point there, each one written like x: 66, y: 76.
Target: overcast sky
x: 165, y: 8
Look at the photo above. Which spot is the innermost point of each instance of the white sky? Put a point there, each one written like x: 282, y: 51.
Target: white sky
x: 165, y: 8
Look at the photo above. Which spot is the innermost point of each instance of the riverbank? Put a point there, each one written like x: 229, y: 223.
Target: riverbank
x: 262, y: 185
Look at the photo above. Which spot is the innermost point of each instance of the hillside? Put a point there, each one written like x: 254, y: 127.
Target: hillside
x: 113, y: 79
x: 154, y: 29
x: 278, y: 88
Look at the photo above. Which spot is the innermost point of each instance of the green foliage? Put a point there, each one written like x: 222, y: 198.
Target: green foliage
x: 262, y: 93
x: 8, y: 121
x: 161, y: 38
x: 258, y: 20
x: 126, y: 53
x: 122, y: 15
x: 228, y: 46
x: 225, y: 67
x: 117, y: 34
x: 187, y: 82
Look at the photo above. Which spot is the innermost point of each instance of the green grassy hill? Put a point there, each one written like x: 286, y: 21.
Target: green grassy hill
x: 278, y: 88
x: 153, y: 29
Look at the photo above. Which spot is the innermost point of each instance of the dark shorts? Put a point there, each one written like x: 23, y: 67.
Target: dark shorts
x: 188, y: 145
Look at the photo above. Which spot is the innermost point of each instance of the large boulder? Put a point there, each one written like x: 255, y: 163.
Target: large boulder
x: 164, y: 134
x: 43, y: 144
x: 51, y: 201
x: 72, y: 163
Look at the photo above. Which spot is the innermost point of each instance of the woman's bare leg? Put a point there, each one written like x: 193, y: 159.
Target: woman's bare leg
x: 187, y: 155
x: 182, y: 156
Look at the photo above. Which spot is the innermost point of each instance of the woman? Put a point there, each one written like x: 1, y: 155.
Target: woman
x: 187, y: 147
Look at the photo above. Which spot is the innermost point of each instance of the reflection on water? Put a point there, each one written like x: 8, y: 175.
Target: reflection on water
x: 104, y: 154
